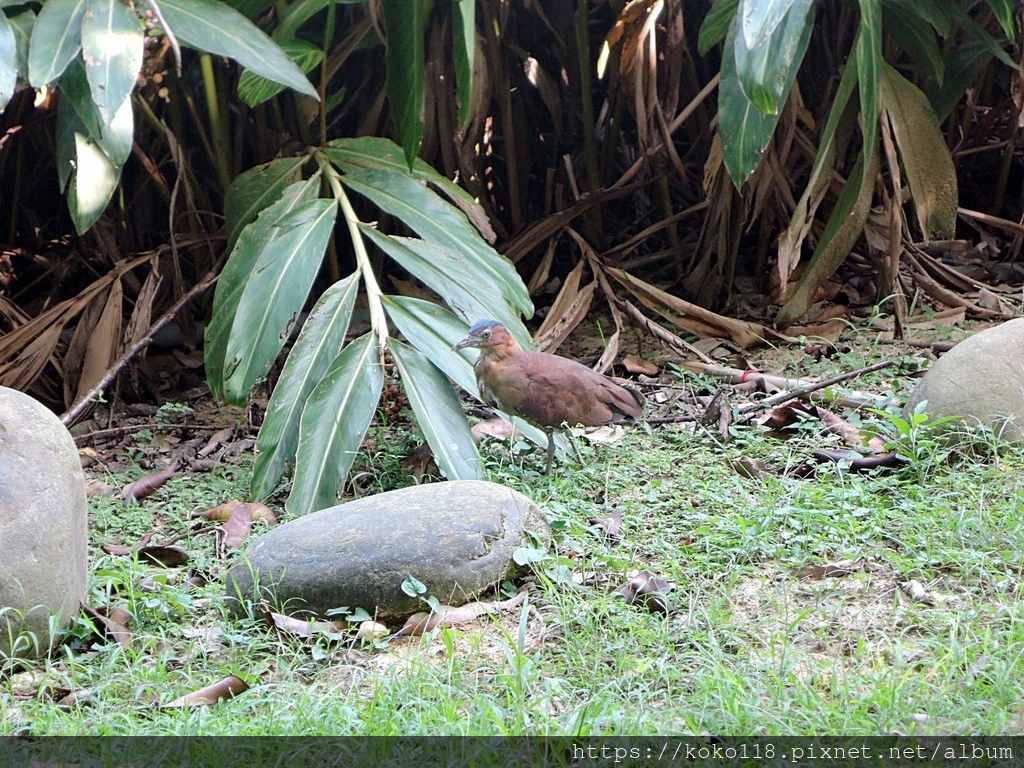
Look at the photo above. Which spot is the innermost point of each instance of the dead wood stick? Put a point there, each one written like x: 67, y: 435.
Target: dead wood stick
x: 80, y: 407
x: 770, y: 402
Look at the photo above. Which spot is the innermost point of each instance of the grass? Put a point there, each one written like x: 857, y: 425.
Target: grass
x: 749, y: 648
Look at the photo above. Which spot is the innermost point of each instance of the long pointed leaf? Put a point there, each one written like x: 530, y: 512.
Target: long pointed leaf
x: 334, y: 421
x: 405, y: 25
x: 464, y: 53
x: 716, y: 24
x: 256, y: 189
x: 436, y: 220
x: 764, y: 64
x: 270, y: 303
x: 453, y: 277
x: 238, y: 270
x: 926, y: 159
x: 217, y: 28
x: 112, y: 51
x: 438, y: 414
x: 317, y: 346
x: 56, y: 40
x: 375, y: 152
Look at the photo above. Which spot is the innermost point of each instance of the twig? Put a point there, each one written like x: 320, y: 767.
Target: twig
x: 153, y: 425
x: 80, y: 407
x: 782, y: 397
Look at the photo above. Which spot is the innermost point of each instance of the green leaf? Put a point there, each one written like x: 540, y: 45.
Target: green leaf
x: 254, y: 90
x: 212, y: 26
x: 963, y: 66
x: 334, y: 422
x: 456, y: 279
x: 842, y: 230
x: 413, y: 587
x: 405, y: 26
x: 112, y: 51
x: 435, y: 220
x: 916, y: 36
x: 464, y: 53
x: 237, y: 271
x: 1004, y: 11
x: 926, y: 159
x: 438, y: 414
x: 964, y: 20
x: 759, y: 19
x: 89, y: 154
x: 256, y: 189
x: 716, y: 24
x: 317, y: 346
x: 288, y: 263
x: 56, y: 40
x: 744, y: 129
x: 370, y: 152
x: 22, y: 21
x: 765, y: 64
x: 298, y: 13
x: 8, y: 61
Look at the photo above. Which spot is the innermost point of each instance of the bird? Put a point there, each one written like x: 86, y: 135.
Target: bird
x: 547, y: 390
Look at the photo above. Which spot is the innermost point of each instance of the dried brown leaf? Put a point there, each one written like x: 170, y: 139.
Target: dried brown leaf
x: 306, y: 628
x: 164, y: 556
x: 610, y: 525
x: 107, y: 627
x: 116, y: 549
x: 636, y: 364
x: 222, y: 690
x: 830, y: 570
x: 148, y: 485
x: 237, y: 527
x: 449, y: 616
x: 496, y: 427
x: 648, y: 590
x: 217, y: 439
x: 219, y: 513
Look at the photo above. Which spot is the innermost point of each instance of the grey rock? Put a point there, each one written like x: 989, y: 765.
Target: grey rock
x: 457, y: 538
x: 980, y: 380
x: 43, y: 526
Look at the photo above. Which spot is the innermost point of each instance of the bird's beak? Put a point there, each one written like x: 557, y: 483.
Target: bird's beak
x: 469, y: 341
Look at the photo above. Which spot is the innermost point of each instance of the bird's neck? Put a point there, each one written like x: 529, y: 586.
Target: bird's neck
x: 498, y: 352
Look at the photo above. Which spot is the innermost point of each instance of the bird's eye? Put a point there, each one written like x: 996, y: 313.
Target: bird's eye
x: 486, y: 334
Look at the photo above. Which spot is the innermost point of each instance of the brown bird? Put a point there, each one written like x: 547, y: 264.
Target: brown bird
x: 547, y: 390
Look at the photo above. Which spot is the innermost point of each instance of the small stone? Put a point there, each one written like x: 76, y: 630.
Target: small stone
x: 43, y: 526
x: 980, y: 380
x: 370, y: 630
x: 456, y: 538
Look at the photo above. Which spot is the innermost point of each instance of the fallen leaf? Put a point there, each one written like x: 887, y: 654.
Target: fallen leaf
x: 237, y: 526
x: 608, y: 433
x: 148, y: 485
x: 117, y: 549
x: 107, y: 627
x: 166, y: 556
x: 217, y: 439
x: 636, y: 364
x: 76, y: 698
x: 222, y: 690
x: 219, y: 513
x: 449, y: 616
x: 370, y: 631
x: 829, y: 570
x: 496, y: 427
x: 755, y: 469
x: 647, y: 590
x: 305, y: 627
x: 610, y: 526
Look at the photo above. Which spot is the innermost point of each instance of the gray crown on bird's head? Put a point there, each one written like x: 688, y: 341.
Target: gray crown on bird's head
x: 479, y: 325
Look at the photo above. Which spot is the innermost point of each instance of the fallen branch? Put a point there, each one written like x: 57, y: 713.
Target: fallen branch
x: 782, y: 397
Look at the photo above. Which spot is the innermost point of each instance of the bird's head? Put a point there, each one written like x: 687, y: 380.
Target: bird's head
x: 488, y: 336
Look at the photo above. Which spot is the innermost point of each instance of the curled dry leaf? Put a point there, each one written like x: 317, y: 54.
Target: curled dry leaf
x: 370, y: 631
x: 636, y: 364
x: 648, y: 590
x: 76, y: 698
x: 448, y: 616
x: 304, y: 627
x: 237, y: 526
x: 108, y: 627
x: 222, y: 690
x: 148, y: 485
x: 610, y: 526
x: 94, y: 487
x: 222, y: 512
x: 217, y: 439
x: 496, y: 427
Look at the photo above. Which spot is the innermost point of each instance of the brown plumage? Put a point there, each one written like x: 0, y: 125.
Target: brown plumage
x: 544, y: 389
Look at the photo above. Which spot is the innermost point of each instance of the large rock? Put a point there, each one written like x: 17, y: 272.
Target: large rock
x: 43, y: 526
x: 456, y: 537
x: 981, y: 379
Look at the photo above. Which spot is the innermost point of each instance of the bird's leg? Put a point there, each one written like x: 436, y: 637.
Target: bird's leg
x: 551, y: 449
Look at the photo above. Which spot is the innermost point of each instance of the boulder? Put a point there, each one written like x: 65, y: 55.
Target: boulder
x: 981, y: 380
x: 43, y: 526
x: 457, y: 538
